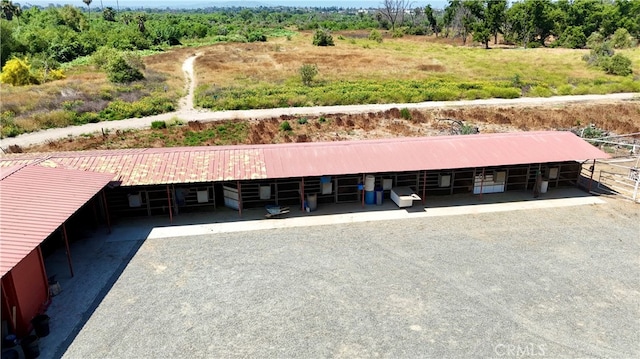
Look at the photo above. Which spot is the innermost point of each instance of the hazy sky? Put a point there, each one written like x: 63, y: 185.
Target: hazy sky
x: 134, y: 4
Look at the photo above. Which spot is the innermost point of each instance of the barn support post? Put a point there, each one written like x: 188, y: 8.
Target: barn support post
x: 10, y: 308
x: 170, y: 209
x: 592, y: 169
x: 44, y: 273
x: 66, y: 244
x: 302, y: 194
x: 481, y: 183
x: 364, y: 177
x: 95, y: 211
x: 106, y: 211
x: 424, y: 186
x: 635, y: 189
x: 239, y: 198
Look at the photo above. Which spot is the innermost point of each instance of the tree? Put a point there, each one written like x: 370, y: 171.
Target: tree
x: 7, y: 41
x: 88, y: 3
x: 496, y: 16
x: 431, y: 19
x: 141, y: 19
x: 127, y: 18
x: 8, y: 9
x: 307, y: 73
x: 108, y: 14
x: 482, y: 33
x: 393, y: 11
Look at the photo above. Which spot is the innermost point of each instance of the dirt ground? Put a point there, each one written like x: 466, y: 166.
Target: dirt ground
x: 605, y: 118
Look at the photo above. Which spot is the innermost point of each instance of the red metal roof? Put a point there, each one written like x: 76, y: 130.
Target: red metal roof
x: 35, y: 201
x: 226, y: 163
x: 426, y: 153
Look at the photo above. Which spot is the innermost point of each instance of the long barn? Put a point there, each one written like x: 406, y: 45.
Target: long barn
x: 166, y: 181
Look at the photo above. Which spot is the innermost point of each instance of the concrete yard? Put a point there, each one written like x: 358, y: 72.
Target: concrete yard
x: 539, y: 281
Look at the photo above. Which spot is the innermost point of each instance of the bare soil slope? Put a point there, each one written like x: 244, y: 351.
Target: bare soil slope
x: 613, y: 118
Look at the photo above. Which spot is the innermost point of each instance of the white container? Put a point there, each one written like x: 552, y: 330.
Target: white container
x: 369, y: 183
x: 444, y: 180
x: 312, y: 202
x: 135, y: 200
x: 203, y: 196
x: 403, y: 196
x: 327, y: 188
x: 265, y: 192
x: 544, y: 186
x: 387, y: 184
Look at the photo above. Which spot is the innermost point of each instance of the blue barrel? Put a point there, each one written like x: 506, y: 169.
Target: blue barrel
x: 370, y: 197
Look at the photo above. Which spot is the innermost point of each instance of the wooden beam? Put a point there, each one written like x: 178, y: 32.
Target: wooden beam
x: 170, y: 209
x: 44, y: 272
x: 302, y: 195
x: 66, y: 244
x: 106, y: 210
x: 239, y: 198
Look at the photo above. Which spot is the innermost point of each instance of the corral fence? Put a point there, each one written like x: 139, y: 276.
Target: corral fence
x: 620, y: 177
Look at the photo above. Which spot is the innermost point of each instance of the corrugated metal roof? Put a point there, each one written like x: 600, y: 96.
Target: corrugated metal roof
x: 35, y: 201
x: 426, y: 153
x: 226, y: 163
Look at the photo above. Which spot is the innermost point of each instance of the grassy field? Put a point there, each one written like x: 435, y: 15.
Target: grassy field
x: 355, y: 71
x: 409, y: 69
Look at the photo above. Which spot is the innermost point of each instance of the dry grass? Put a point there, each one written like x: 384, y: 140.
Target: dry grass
x: 410, y: 57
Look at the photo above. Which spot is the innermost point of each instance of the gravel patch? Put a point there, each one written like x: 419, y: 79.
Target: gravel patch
x: 545, y: 282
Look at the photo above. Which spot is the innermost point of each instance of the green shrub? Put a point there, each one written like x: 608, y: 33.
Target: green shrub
x: 405, y: 114
x: 285, y: 126
x: 322, y: 37
x: 322, y: 119
x: 621, y: 39
x: 375, y: 35
x: 565, y: 90
x: 119, y: 71
x: 103, y: 56
x: 476, y: 94
x: 8, y: 128
x: 503, y: 92
x: 257, y: 37
x: 303, y: 121
x: 307, y: 73
x: 573, y: 37
x: 397, y: 33
x: 618, y: 64
x: 156, y: 125
x: 540, y: 91
x: 594, y: 39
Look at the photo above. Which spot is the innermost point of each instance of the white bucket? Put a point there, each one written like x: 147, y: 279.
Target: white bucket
x: 544, y: 185
x: 369, y: 183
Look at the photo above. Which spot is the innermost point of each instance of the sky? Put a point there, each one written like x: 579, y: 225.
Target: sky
x: 136, y: 4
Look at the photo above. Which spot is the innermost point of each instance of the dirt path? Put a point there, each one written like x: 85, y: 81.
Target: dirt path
x: 186, y: 103
x: 187, y: 112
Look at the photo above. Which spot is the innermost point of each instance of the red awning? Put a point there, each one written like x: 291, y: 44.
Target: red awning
x: 35, y: 201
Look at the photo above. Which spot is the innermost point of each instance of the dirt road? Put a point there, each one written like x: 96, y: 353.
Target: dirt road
x: 187, y: 112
